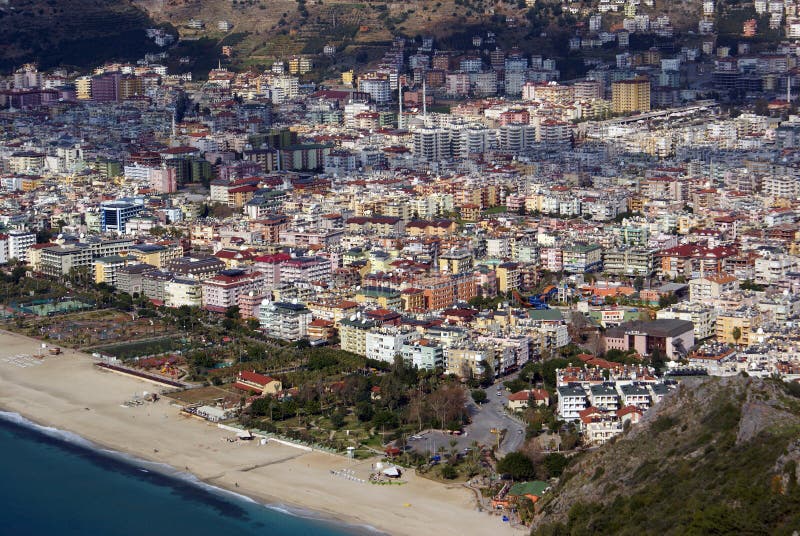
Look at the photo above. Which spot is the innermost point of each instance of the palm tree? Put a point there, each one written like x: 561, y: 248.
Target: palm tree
x: 737, y: 334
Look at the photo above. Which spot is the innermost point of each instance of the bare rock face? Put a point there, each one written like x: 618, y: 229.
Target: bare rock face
x: 762, y: 410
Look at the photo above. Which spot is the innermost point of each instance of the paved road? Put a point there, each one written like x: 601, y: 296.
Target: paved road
x: 485, y: 418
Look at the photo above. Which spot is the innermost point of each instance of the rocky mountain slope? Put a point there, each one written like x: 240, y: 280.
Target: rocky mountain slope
x: 717, y: 457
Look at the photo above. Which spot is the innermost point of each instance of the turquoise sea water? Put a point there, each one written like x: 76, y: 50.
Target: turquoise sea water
x: 55, y: 483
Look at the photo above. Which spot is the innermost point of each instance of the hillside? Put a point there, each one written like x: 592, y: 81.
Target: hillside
x: 718, y: 457
x: 267, y: 30
x: 78, y: 32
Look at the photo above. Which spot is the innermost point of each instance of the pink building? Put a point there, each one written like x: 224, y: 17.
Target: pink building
x: 552, y: 259
x: 515, y: 117
x: 457, y: 84
x: 226, y: 289
x: 671, y: 337
x: 164, y: 180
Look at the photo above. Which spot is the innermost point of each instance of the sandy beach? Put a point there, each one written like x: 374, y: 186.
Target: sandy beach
x: 68, y: 392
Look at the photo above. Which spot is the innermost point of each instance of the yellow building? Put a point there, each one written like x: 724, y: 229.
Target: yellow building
x: 83, y: 88
x: 470, y: 212
x: 155, y: 254
x: 630, y: 96
x: 383, y: 298
x: 456, y: 262
x: 334, y: 312
x: 413, y: 299
x: 347, y: 78
x: 106, y: 268
x: 508, y: 277
x: 380, y: 261
x: 464, y: 362
x: 686, y: 222
x: 353, y: 335
x: 399, y: 209
x: 299, y: 65
x: 747, y: 323
x: 130, y: 86
x: 31, y: 183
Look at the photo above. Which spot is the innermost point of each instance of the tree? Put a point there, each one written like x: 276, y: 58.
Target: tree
x: 385, y: 418
x: 638, y: 283
x: 447, y: 403
x: 569, y: 440
x: 665, y: 300
x: 487, y: 376
x: 261, y: 406
x: 761, y: 107
x: 364, y: 411
x: 516, y: 464
x: 449, y: 472
x: 17, y: 274
x: 658, y: 359
x: 737, y: 334
x: 337, y: 418
x: 479, y: 396
x: 555, y: 463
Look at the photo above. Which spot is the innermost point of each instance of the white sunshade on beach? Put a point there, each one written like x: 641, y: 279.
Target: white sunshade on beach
x: 391, y: 471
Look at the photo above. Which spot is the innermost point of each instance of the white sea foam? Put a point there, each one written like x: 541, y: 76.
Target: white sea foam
x: 171, y: 472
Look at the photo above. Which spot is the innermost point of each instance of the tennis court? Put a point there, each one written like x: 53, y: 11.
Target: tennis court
x: 53, y: 307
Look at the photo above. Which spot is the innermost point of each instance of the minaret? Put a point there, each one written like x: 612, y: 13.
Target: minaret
x: 789, y: 87
x: 424, y: 98
x: 399, y: 105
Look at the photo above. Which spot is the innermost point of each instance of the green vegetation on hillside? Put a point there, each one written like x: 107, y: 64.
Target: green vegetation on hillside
x: 80, y: 33
x: 721, y: 459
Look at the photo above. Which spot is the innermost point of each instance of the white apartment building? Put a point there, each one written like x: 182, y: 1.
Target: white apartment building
x: 773, y: 268
x: 702, y: 317
x: 604, y: 396
x: 423, y: 354
x: 499, y: 247
x: 432, y: 144
x: 572, y: 400
x: 181, y: 291
x: 384, y: 344
x: 305, y: 269
x: 282, y: 320
x: 284, y: 87
x: 18, y: 244
x: 3, y: 248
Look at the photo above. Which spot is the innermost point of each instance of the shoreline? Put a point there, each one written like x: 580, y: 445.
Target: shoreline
x: 69, y: 394
x: 169, y: 472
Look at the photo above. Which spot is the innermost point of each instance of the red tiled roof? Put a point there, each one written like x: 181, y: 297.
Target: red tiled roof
x: 255, y: 377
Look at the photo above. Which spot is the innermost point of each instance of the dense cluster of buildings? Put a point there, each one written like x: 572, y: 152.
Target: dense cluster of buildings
x: 471, y: 241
